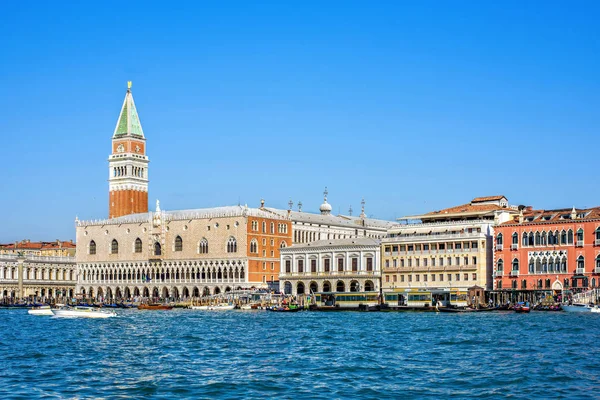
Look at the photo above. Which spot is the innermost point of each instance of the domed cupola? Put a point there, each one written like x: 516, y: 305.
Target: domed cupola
x: 325, y: 207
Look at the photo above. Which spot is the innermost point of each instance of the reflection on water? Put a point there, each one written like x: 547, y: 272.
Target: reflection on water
x: 195, y: 354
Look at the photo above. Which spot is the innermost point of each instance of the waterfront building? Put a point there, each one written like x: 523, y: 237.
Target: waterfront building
x: 179, y: 254
x: 542, y: 252
x: 341, y: 265
x: 37, y: 270
x: 450, y: 250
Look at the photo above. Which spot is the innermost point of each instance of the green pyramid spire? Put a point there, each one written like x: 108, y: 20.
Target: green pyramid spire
x: 129, y: 121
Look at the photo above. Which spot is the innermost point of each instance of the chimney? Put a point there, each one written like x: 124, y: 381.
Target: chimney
x: 521, y: 218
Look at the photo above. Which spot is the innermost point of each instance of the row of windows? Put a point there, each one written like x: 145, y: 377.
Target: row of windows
x: 396, y: 249
x: 157, y: 248
x: 433, y: 277
x: 122, y: 171
x: 281, y: 228
x: 544, y: 238
x: 254, y: 246
x: 426, y: 262
x: 38, y: 274
x: 548, y: 265
x: 546, y: 284
x: 327, y: 265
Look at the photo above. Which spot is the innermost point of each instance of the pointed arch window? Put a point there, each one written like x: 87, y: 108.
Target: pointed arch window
x: 570, y: 237
x: 178, y: 243
x: 138, y: 245
x: 499, y: 239
x: 92, y: 247
x: 598, y: 234
x: 580, y: 264
x: 544, y: 239
x: 253, y: 246
x: 500, y: 267
x: 157, y: 249
x: 515, y: 265
x: 598, y: 263
x: 203, y: 246
x: 515, y: 238
x: 563, y: 237
x: 525, y: 241
x: 282, y: 245
x: 114, y: 247
x: 232, y: 245
x: 538, y: 239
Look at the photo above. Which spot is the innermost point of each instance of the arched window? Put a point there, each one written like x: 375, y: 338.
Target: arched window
x: 580, y: 264
x: 515, y: 238
x: 264, y: 227
x: 538, y: 239
x: 114, y: 247
x: 138, y: 245
x: 515, y: 265
x: 530, y: 239
x: 282, y: 245
x: 232, y: 245
x: 598, y: 263
x: 580, y: 235
x: 500, y: 267
x: 597, y: 234
x: 524, y: 242
x: 570, y: 237
x: 499, y: 239
x: 255, y: 225
x: 157, y: 249
x: 203, y: 246
x: 544, y: 239
x: 523, y: 284
x: 272, y: 227
x: 563, y: 237
x: 178, y: 243
x: 253, y: 246
x: 92, y: 247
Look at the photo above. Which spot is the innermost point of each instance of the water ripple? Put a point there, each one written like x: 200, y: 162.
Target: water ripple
x: 186, y: 354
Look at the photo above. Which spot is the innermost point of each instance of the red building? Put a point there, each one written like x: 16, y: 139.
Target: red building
x: 542, y: 252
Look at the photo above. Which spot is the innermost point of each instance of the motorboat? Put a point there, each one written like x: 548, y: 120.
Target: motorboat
x: 522, y: 307
x: 578, y: 307
x: 82, y: 312
x: 214, y: 307
x: 40, y: 310
x: 154, y: 307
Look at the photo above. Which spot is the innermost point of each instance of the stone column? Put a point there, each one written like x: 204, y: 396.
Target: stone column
x: 20, y: 261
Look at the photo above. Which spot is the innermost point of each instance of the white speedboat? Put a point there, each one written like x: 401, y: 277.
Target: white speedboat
x: 40, y: 310
x: 595, y: 309
x: 577, y: 307
x: 82, y: 312
x: 215, y: 307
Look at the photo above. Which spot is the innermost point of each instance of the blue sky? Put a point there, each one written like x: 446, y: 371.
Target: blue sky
x: 413, y: 106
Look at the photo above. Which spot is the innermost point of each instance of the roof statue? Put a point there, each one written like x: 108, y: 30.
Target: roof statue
x: 157, y: 205
x: 325, y: 207
x: 128, y: 123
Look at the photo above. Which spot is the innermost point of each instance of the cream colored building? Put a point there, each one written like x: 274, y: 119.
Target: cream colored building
x: 35, y: 276
x: 342, y: 265
x: 446, y: 249
x: 179, y: 254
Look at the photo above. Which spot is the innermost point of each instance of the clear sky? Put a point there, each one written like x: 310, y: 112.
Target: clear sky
x: 414, y: 106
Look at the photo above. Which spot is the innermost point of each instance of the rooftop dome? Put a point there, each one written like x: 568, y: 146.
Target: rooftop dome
x: 325, y: 207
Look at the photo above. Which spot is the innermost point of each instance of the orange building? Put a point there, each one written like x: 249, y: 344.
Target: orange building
x: 128, y: 163
x: 265, y: 237
x: 543, y: 252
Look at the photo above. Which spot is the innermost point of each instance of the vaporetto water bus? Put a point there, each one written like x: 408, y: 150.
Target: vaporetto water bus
x: 338, y: 301
x: 421, y: 299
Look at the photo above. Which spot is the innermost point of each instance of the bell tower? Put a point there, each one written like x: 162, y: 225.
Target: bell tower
x: 128, y: 163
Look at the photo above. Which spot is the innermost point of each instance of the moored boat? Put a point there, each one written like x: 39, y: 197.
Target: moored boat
x: 40, y: 310
x: 154, y: 307
x: 82, y: 312
x: 522, y: 308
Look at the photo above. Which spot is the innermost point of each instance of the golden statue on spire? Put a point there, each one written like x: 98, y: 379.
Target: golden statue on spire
x: 128, y: 84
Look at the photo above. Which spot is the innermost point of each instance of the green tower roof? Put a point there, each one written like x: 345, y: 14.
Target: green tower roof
x: 129, y: 121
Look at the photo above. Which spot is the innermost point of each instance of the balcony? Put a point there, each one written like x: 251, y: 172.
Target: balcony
x: 514, y: 274
x: 597, y: 242
x: 499, y: 247
x: 580, y: 271
x: 597, y: 270
x: 579, y: 243
x: 498, y: 274
x: 514, y: 246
